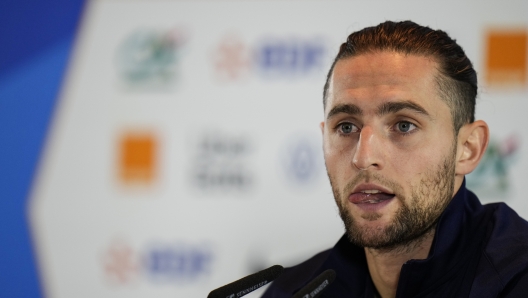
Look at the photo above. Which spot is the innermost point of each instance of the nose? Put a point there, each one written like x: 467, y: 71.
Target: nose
x: 369, y: 150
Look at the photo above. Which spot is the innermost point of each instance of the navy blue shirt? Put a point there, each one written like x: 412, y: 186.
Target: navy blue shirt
x: 478, y: 251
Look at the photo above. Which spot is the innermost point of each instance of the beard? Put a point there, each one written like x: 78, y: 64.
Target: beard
x: 417, y: 215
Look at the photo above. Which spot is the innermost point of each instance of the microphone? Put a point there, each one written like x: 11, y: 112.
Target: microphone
x: 247, y: 284
x: 317, y: 285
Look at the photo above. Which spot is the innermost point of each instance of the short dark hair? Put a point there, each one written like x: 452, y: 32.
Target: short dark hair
x: 457, y: 80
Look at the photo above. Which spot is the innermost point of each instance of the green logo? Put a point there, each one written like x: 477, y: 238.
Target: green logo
x: 491, y: 178
x: 148, y: 58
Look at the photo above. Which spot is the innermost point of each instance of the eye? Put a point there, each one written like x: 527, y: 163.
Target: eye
x: 347, y: 128
x: 405, y: 127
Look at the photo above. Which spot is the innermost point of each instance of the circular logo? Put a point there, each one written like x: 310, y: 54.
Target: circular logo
x: 302, y: 159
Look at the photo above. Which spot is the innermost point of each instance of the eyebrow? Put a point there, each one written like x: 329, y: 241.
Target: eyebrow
x: 385, y: 108
x: 396, y: 106
x: 350, y: 109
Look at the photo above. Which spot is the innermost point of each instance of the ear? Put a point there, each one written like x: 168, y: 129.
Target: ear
x: 321, y: 125
x: 472, y: 143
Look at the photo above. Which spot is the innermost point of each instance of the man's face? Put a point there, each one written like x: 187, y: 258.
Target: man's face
x: 389, y: 147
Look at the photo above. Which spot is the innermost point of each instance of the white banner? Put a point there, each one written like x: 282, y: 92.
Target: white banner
x: 185, y: 152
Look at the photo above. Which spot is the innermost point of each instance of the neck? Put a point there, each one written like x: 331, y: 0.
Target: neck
x: 385, y: 264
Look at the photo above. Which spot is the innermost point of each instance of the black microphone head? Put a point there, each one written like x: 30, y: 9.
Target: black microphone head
x: 317, y: 285
x: 247, y: 284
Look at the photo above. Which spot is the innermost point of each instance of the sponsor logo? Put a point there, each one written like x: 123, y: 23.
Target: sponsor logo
x: 148, y: 58
x: 302, y: 159
x: 234, y: 59
x: 491, y: 178
x: 119, y: 263
x: 506, y: 57
x: 289, y: 57
x: 162, y: 262
x: 138, y: 158
x: 177, y: 262
x: 221, y: 164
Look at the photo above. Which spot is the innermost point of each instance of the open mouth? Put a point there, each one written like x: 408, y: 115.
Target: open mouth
x: 370, y: 197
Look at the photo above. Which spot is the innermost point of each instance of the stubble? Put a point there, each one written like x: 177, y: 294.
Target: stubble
x: 417, y: 216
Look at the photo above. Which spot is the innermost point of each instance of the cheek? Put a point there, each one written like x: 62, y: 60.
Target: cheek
x: 418, y: 160
x: 338, y: 161
x: 337, y: 146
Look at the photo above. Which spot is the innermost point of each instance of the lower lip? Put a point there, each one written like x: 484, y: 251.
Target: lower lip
x: 360, y: 200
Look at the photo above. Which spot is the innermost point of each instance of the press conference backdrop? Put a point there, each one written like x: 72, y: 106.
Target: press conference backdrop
x: 184, y: 151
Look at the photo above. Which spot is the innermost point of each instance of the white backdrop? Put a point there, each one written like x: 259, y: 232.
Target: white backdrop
x: 185, y: 150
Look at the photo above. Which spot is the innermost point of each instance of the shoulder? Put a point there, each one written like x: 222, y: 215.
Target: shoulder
x: 508, y: 237
x: 295, y: 277
x: 504, y: 262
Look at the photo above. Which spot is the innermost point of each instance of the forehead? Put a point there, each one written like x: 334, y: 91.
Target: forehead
x: 374, y: 78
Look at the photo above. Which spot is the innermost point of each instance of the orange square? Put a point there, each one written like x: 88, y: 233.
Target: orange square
x: 138, y: 158
x: 506, y: 57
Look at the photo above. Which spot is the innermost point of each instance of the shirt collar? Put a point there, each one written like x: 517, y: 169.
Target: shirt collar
x: 458, y: 235
x: 454, y: 240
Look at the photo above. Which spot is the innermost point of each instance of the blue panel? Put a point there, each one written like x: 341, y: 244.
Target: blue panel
x: 27, y: 98
x: 35, y: 41
x: 29, y: 26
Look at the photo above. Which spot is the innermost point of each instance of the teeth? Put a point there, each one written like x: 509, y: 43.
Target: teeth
x: 371, y: 191
x: 372, y: 201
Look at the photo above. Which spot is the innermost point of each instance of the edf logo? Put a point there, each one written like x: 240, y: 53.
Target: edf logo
x: 162, y: 262
x: 290, y: 57
x: 177, y: 262
x: 234, y: 59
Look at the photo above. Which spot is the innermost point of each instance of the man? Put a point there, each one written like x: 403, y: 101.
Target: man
x: 399, y: 137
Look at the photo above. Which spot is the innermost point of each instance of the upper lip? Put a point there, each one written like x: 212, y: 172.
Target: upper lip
x: 370, y: 186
